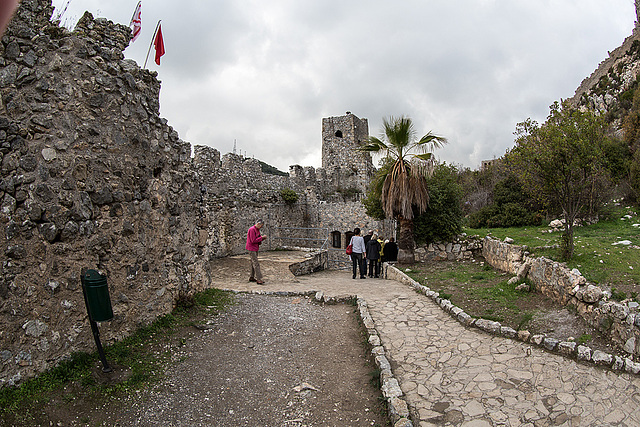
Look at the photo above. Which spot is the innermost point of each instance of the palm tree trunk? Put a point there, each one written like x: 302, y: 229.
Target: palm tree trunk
x: 405, y: 241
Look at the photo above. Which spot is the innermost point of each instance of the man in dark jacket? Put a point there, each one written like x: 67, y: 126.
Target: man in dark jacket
x: 373, y: 255
x: 390, y: 251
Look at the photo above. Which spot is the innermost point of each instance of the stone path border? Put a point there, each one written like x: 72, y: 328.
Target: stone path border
x: 565, y: 348
x: 448, y: 373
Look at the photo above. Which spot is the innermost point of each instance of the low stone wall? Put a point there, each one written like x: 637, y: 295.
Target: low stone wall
x: 462, y: 248
x: 619, y: 322
x: 315, y: 262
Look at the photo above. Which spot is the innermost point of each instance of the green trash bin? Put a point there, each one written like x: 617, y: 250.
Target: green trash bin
x: 96, y: 295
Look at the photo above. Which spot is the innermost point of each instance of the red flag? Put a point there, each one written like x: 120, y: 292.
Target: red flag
x: 136, y: 22
x: 158, y: 44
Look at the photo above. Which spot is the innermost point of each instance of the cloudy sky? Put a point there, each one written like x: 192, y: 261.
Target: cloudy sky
x: 265, y: 73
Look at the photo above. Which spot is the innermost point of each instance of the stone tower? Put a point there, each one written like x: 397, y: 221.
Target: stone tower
x: 341, y: 137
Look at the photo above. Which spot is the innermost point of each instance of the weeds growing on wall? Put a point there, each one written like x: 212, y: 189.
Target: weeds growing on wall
x: 289, y: 196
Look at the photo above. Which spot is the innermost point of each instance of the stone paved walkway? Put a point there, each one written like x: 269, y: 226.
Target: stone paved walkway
x: 454, y: 375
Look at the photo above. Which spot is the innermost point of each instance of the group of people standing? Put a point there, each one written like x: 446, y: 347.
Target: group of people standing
x: 371, y: 250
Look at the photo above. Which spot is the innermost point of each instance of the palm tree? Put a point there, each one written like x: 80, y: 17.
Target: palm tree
x: 401, y: 181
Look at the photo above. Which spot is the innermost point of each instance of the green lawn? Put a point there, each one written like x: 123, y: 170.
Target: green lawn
x: 596, y: 256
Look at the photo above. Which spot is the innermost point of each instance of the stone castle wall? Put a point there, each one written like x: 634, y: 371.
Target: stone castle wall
x: 93, y: 177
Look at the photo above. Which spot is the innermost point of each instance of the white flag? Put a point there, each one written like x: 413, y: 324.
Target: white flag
x: 136, y: 22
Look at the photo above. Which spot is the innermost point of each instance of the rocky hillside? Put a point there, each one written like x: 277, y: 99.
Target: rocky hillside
x: 609, y: 89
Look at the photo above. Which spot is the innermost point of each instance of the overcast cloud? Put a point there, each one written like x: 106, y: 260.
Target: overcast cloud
x: 265, y: 73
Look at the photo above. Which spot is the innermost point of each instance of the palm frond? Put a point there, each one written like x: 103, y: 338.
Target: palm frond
x: 375, y: 145
x: 430, y: 142
x: 399, y: 132
x: 403, y: 182
x: 402, y: 190
x: 424, y: 156
x: 422, y: 165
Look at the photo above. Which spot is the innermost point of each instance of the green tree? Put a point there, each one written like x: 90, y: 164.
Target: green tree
x: 442, y: 220
x: 561, y: 162
x: 511, y: 207
x: 373, y: 205
x: 402, y: 178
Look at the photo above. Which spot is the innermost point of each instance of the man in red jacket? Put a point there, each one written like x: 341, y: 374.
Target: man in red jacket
x: 254, y: 239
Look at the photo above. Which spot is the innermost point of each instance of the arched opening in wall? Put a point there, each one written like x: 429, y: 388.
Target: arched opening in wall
x: 339, y: 133
x: 336, y: 239
x: 348, y: 235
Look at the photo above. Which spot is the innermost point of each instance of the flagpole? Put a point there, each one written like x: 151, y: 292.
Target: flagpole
x: 151, y: 44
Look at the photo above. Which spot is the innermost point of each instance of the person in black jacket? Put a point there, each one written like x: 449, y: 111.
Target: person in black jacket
x: 366, y: 238
x: 373, y: 254
x: 390, y: 251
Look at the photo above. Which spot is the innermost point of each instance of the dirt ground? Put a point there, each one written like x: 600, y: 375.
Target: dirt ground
x: 266, y: 361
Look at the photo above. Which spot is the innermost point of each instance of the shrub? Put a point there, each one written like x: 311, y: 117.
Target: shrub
x: 289, y: 196
x: 373, y: 205
x: 511, y: 208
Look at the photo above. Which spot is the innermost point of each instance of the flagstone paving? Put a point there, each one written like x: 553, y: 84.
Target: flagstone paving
x: 454, y: 375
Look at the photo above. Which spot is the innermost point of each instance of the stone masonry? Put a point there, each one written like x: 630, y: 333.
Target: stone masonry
x: 93, y: 177
x: 341, y: 138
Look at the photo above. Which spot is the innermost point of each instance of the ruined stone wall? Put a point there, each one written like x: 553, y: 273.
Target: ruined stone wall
x: 236, y: 193
x: 341, y: 137
x: 93, y: 177
x: 620, y: 322
x: 461, y: 248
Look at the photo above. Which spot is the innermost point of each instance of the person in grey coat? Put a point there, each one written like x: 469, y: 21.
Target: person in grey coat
x: 358, y: 254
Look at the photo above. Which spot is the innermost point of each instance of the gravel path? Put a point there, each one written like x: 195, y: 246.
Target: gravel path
x: 287, y: 361
x: 266, y: 361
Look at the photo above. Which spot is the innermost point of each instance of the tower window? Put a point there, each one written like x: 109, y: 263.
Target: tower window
x: 339, y: 134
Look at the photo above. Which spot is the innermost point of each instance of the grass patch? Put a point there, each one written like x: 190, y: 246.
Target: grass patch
x: 144, y: 355
x: 595, y: 255
x: 214, y: 299
x: 499, y: 300
x: 584, y: 338
x: 480, y: 290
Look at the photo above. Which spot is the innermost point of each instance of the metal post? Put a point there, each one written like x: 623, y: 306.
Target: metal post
x: 96, y: 336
